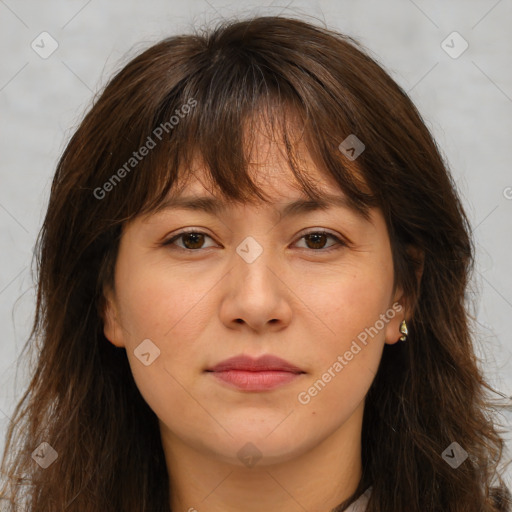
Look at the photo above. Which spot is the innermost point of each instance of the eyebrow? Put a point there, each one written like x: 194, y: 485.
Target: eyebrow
x: 214, y: 205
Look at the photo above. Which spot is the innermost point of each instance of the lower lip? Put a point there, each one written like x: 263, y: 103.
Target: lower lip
x: 256, y: 381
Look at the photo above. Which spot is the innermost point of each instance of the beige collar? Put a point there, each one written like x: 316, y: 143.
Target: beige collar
x: 360, y: 504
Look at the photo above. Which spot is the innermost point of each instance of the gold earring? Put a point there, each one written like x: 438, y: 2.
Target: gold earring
x: 403, y: 330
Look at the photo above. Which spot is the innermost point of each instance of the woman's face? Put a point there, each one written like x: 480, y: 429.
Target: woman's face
x: 252, y: 283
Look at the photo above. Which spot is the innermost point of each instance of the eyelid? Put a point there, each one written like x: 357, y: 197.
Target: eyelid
x: 341, y: 241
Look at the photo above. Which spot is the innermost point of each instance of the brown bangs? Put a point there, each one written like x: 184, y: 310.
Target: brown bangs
x: 209, y: 119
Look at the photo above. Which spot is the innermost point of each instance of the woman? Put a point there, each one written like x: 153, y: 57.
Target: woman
x: 203, y: 345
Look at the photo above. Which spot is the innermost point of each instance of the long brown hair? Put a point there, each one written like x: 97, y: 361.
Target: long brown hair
x: 198, y: 95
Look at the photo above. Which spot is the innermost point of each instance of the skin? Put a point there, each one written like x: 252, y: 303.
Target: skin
x: 296, y: 301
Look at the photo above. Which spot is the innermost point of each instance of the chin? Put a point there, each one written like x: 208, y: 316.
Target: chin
x: 262, y: 447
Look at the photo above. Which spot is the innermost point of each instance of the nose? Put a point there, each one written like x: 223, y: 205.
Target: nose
x: 255, y: 292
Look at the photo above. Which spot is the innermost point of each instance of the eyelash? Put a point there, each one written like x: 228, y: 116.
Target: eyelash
x: 339, y: 243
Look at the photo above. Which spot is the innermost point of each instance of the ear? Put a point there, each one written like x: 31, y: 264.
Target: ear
x: 111, y: 325
x: 400, y: 305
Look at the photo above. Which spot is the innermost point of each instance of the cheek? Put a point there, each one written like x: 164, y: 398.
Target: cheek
x: 354, y: 301
x: 162, y: 306
x: 347, y: 358
x: 158, y: 302
x: 351, y: 308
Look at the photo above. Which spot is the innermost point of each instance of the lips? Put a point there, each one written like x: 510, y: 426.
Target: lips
x: 262, y: 374
x: 262, y: 364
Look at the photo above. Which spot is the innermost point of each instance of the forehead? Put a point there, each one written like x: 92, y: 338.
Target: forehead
x: 278, y: 184
x: 269, y: 161
x: 281, y: 169
x: 197, y: 197
x: 268, y: 166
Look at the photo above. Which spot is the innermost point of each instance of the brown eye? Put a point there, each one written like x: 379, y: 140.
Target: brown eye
x: 192, y: 240
x: 316, y: 240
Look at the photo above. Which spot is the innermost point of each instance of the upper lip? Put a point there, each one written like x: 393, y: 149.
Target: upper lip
x: 264, y: 363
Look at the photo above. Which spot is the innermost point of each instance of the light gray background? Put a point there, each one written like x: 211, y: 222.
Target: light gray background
x: 466, y: 102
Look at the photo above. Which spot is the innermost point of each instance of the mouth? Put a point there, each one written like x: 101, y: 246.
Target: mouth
x: 262, y: 374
